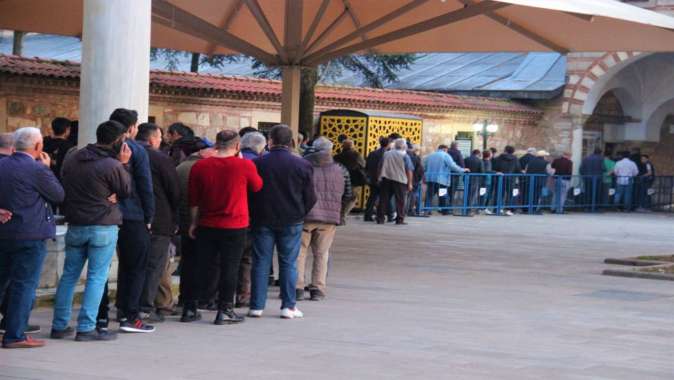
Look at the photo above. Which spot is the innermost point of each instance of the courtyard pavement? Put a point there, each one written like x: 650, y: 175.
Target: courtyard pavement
x: 443, y: 298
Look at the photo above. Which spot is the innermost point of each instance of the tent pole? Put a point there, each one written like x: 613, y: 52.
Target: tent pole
x: 290, y: 97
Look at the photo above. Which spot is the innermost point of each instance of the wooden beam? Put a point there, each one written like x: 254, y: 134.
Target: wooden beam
x: 521, y: 29
x: 373, y: 25
x: 262, y: 20
x: 314, y: 24
x: 176, y: 18
x: 327, y: 31
x: 420, y: 27
x: 292, y: 38
x: 226, y: 22
x: 354, y: 18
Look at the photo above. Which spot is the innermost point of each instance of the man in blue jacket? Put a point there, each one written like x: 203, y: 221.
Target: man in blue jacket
x: 439, y: 166
x: 134, y: 234
x: 27, y: 190
x: 278, y: 212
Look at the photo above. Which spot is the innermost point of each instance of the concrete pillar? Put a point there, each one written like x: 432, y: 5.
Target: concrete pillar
x: 115, y: 61
x: 577, y: 145
x: 290, y: 98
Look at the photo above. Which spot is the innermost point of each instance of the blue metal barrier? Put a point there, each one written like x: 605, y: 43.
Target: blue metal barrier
x: 499, y: 194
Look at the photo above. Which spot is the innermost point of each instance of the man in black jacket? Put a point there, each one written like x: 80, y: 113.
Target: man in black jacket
x: 476, y: 166
x: 355, y: 164
x: 507, y: 163
x: 94, y: 178
x: 372, y: 164
x: 167, y: 200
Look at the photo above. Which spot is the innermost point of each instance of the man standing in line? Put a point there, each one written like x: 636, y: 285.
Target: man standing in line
x: 507, y: 163
x: 218, y: 188
x: 191, y: 269
x: 355, y: 164
x: 166, y: 199
x: 94, y: 178
x: 252, y: 146
x: 457, y: 156
x: 563, y: 167
x: 395, y: 179
x: 278, y: 214
x: 625, y: 171
x: 439, y: 166
x: 134, y: 235
x: 58, y: 144
x: 592, y: 169
x: 332, y: 186
x: 27, y: 189
x: 474, y: 165
x: 372, y: 169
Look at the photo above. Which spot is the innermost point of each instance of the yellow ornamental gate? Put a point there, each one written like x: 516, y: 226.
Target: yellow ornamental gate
x: 365, y: 129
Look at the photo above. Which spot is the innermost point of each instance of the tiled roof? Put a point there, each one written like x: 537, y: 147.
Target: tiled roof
x: 265, y: 89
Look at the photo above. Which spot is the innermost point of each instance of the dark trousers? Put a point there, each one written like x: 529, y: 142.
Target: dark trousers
x: 227, y: 245
x: 433, y: 189
x: 388, y: 189
x: 190, y: 287
x: 133, y: 250
x: 156, y: 265
x: 210, y: 276
x: 20, y: 265
x: 371, y: 201
x: 243, y: 287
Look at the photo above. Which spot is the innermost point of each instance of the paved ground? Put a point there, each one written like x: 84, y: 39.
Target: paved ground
x: 443, y: 298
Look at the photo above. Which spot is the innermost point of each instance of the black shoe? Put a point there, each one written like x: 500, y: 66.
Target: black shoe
x: 368, y: 219
x: 190, y: 316
x: 155, y: 317
x: 135, y: 326
x: 102, y: 325
x: 32, y: 329
x: 299, y: 294
x: 316, y: 295
x: 401, y: 223
x: 95, y: 335
x: 60, y: 334
x: 227, y: 317
x: 243, y: 303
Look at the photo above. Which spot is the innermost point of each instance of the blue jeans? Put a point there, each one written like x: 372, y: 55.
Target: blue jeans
x: 97, y: 245
x: 21, y: 263
x: 287, y: 240
x: 623, y: 192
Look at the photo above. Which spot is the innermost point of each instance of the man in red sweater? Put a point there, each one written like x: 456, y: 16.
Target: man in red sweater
x: 218, y: 191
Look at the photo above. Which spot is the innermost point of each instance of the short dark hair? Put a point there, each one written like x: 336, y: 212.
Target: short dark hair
x: 181, y: 129
x: 476, y: 152
x: 145, y: 130
x: 486, y: 154
x: 394, y: 136
x: 598, y: 150
x: 625, y: 154
x: 227, y: 138
x: 384, y: 141
x: 109, y: 131
x: 243, y: 131
x: 281, y: 134
x: 645, y: 156
x: 509, y: 149
x: 125, y: 117
x: 493, y: 150
x: 342, y: 137
x: 60, y: 125
x: 443, y: 147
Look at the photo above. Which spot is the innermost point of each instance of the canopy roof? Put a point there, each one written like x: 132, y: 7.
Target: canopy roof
x: 309, y: 32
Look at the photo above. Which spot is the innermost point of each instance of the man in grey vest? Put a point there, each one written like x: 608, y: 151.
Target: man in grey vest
x: 395, y: 178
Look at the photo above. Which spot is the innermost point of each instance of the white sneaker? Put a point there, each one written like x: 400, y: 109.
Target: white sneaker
x: 255, y: 313
x: 509, y: 213
x: 488, y: 212
x: 288, y: 313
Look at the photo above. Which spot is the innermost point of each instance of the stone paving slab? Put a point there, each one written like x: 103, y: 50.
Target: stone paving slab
x: 443, y: 298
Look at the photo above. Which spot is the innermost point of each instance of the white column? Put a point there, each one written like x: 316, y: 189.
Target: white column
x: 115, y: 61
x: 577, y: 146
x: 290, y: 98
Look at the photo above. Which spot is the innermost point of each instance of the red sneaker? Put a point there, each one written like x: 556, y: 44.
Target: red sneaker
x: 27, y: 343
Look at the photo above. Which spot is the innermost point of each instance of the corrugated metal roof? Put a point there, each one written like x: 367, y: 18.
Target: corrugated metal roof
x: 528, y: 75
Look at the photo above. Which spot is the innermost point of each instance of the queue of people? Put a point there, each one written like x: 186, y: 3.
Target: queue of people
x: 227, y: 206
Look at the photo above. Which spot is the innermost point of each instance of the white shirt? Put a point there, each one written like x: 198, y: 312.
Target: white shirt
x: 624, y: 170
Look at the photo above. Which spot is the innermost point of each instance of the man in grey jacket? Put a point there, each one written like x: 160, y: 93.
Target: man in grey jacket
x: 95, y: 178
x: 395, y: 178
x: 332, y: 185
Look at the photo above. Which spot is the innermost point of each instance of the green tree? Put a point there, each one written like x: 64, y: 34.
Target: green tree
x: 374, y: 70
